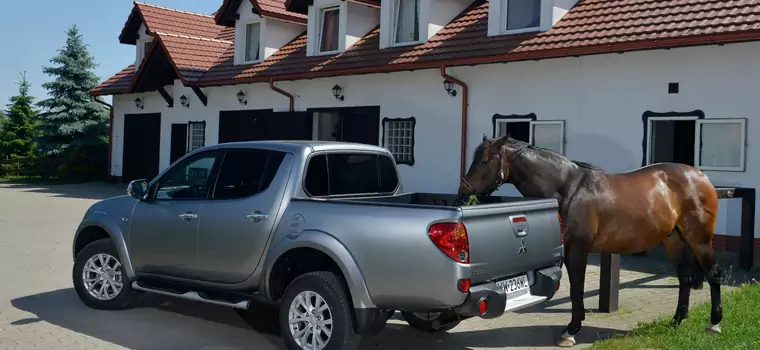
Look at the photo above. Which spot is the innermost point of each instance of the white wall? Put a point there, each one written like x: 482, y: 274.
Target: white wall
x: 279, y: 33
x: 601, y: 98
x: 361, y: 20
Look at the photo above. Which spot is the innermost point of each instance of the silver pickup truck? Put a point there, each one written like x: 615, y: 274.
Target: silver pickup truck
x: 323, y: 229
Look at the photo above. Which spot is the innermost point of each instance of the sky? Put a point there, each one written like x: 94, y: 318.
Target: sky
x: 34, y: 31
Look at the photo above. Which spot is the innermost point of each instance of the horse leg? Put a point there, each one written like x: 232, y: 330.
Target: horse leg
x: 576, y: 261
x: 682, y: 258
x: 699, y: 239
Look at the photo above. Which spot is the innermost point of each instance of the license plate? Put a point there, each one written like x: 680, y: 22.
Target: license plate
x: 515, y: 287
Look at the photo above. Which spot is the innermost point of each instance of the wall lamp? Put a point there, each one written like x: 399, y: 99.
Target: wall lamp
x: 449, y: 86
x: 241, y: 98
x: 338, y: 92
x: 139, y: 103
x: 183, y: 101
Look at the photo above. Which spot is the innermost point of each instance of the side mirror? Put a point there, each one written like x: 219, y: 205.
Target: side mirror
x: 138, y: 189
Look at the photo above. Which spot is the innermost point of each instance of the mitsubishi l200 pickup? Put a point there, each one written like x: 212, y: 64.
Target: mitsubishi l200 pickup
x: 325, y: 231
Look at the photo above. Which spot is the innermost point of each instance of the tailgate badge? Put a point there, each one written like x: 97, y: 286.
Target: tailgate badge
x: 523, y: 248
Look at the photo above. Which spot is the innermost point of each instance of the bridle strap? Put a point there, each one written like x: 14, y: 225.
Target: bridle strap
x: 466, y: 185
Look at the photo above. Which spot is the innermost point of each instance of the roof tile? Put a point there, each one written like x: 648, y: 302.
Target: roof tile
x: 590, y: 25
x: 166, y: 20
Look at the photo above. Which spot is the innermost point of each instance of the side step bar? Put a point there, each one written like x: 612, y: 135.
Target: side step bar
x: 192, y: 295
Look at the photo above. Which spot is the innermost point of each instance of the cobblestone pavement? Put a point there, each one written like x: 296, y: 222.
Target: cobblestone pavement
x: 39, y: 308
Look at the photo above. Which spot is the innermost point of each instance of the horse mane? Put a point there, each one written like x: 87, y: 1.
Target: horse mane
x: 522, y: 146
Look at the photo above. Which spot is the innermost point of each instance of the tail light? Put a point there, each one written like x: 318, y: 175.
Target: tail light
x: 561, y: 230
x: 451, y: 239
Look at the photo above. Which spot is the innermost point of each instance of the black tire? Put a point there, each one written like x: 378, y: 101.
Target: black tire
x: 125, y: 296
x: 443, y: 322
x: 330, y: 288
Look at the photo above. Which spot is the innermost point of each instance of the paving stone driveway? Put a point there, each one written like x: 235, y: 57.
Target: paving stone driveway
x: 39, y: 308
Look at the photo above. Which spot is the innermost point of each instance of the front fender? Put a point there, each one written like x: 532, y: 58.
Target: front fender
x: 116, y: 235
x: 329, y: 245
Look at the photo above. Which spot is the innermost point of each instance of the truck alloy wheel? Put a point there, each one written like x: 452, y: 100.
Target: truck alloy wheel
x: 310, y: 320
x: 99, y: 277
x: 316, y: 313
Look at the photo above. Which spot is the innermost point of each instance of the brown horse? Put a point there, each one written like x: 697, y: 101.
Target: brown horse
x: 668, y: 203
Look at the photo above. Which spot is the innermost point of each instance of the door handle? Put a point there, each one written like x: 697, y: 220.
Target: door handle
x: 188, y: 216
x: 257, y: 216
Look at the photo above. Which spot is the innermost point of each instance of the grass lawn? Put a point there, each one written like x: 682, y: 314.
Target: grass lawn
x: 740, y: 327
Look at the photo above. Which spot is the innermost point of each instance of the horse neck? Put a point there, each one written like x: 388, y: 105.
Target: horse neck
x: 537, y: 173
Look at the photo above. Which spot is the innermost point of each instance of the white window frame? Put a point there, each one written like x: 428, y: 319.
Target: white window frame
x: 650, y: 140
x: 245, y: 42
x: 395, y: 21
x: 561, y: 124
x: 504, y: 15
x: 532, y: 125
x: 190, y: 138
x: 318, y: 43
x: 388, y: 125
x: 698, y: 143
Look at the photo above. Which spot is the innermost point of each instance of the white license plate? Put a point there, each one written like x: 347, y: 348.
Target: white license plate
x: 515, y: 287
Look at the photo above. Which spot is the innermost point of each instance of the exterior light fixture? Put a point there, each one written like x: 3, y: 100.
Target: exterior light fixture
x: 338, y: 92
x: 139, y: 103
x: 241, y: 98
x: 449, y: 86
x: 183, y: 101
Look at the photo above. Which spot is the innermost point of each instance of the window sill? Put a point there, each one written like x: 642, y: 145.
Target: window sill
x: 739, y: 169
x: 408, y: 43
x: 520, y: 31
x: 250, y: 62
x: 325, y: 53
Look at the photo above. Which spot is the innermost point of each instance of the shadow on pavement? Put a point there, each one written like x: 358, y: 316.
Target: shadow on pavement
x: 159, y: 322
x: 90, y: 190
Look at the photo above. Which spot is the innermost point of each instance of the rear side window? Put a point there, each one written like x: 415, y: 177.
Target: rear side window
x: 338, y: 174
x: 246, y: 172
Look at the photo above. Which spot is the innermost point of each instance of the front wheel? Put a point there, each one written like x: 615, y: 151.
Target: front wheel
x: 99, y: 277
x: 431, y: 322
x: 316, y: 313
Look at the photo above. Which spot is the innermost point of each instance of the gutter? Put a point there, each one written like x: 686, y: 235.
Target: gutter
x: 284, y: 93
x: 110, y: 134
x: 465, y: 105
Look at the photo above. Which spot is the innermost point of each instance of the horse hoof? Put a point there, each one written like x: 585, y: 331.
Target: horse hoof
x: 713, y: 329
x: 566, y: 340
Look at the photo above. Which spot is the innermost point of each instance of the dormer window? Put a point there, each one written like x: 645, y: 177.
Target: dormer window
x: 252, y: 42
x: 329, y: 26
x: 407, y: 21
x: 146, y: 47
x: 520, y: 16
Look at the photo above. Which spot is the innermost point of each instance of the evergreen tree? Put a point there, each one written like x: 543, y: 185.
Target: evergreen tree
x: 71, y: 117
x: 18, y: 133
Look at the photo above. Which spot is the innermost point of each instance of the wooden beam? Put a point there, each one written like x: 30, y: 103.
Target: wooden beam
x: 201, y: 95
x: 169, y: 100
x: 609, y: 283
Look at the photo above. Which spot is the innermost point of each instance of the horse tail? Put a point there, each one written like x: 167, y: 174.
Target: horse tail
x: 696, y: 274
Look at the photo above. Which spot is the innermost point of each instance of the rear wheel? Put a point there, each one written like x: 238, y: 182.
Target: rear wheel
x: 99, y: 278
x: 315, y: 313
x: 431, y: 322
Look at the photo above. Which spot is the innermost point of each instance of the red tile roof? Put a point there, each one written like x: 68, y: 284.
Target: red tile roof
x: 167, y: 20
x: 265, y: 8
x: 591, y: 27
x: 192, y: 56
x: 117, y: 84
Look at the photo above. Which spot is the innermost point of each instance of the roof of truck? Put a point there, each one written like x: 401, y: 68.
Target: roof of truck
x: 296, y: 146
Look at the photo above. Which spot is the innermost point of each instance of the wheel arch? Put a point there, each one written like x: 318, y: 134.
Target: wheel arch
x: 91, y: 231
x: 315, y: 246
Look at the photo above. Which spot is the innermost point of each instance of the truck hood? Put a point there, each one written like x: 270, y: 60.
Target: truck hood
x: 115, y: 206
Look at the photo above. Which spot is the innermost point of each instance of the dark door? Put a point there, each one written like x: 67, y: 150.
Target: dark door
x: 291, y: 126
x: 361, y: 125
x: 142, y: 137
x: 259, y: 125
x: 178, y: 142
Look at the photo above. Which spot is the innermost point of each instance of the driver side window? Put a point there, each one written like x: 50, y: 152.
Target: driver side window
x: 189, y: 179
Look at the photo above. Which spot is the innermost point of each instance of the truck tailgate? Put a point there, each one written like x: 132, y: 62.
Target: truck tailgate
x: 510, y: 238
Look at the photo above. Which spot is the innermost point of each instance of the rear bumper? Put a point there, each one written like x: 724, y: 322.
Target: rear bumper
x: 546, y: 284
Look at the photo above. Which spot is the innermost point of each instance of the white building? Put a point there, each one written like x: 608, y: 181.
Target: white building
x: 618, y: 83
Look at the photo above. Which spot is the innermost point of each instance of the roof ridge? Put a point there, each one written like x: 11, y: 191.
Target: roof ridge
x: 185, y: 36
x: 175, y: 10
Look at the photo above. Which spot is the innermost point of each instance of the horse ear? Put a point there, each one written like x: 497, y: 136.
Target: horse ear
x: 485, y: 138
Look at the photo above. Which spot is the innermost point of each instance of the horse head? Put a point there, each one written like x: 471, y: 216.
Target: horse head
x: 489, y: 168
